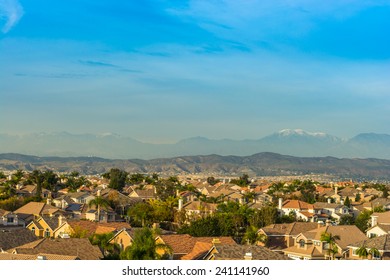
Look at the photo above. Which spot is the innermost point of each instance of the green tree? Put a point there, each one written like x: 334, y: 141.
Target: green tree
x: 109, y: 250
x: 346, y: 220
x: 252, y: 237
x: 358, y: 197
x: 117, y: 179
x: 369, y: 253
x: 362, y: 220
x: 212, y: 181
x: 242, y: 181
x: 141, y: 213
x: 330, y: 241
x: 144, y: 247
x: 347, y: 202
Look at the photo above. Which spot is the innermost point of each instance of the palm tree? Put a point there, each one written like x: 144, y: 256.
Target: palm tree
x: 330, y: 239
x: 109, y: 250
x: 144, y: 247
x: 365, y: 253
x: 99, y: 202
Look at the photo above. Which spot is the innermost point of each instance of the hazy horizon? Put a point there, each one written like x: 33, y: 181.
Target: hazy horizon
x: 162, y: 71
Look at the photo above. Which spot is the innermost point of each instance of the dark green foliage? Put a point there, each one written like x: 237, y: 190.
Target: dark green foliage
x: 143, y: 247
x: 362, y: 220
x: 167, y: 187
x: 347, y: 220
x: 347, y: 202
x: 141, y: 214
x: 212, y: 181
x: 358, y: 197
x: 243, y: 181
x: 264, y: 216
x: 117, y: 179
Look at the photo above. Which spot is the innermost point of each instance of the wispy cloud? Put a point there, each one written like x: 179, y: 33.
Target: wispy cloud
x: 10, y: 12
x: 98, y: 63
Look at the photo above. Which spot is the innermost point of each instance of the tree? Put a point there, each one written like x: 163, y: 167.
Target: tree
x: 38, y: 179
x: 242, y: 181
x: 143, y: 213
x: 362, y: 220
x: 330, y: 240
x: 109, y: 250
x: 365, y: 252
x: 99, y: 202
x: 212, y: 181
x: 251, y: 237
x: 347, y: 202
x: 144, y: 247
x: 346, y: 220
x: 358, y: 197
x: 117, y: 179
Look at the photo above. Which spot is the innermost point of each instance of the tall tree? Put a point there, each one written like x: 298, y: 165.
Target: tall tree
x: 330, y: 240
x: 117, y: 179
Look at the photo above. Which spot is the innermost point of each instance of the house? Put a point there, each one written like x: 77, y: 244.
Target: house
x: 281, y: 236
x: 381, y: 243
x: 183, y: 244
x: 378, y: 230
x: 144, y: 194
x: 123, y: 238
x: 49, y: 227
x: 198, y: 209
x: 380, y: 203
x: 380, y: 218
x: 241, y: 252
x: 308, y: 245
x: 78, y: 247
x: 8, y: 218
x: 327, y: 210
x: 38, y: 209
x: 105, y: 216
x: 14, y: 237
x: 302, y: 210
x: 122, y: 202
x: 81, y: 197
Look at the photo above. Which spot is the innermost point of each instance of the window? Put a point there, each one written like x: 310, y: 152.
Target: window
x: 10, y: 220
x: 372, y: 235
x: 354, y: 253
x: 301, y: 243
x: 33, y: 230
x: 47, y: 233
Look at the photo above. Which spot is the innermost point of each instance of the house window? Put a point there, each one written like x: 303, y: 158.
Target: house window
x: 372, y: 235
x: 47, y: 233
x: 301, y: 243
x: 354, y: 253
x: 33, y: 230
x: 10, y: 220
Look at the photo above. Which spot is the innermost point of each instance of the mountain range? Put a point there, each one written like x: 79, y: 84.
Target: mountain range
x: 261, y: 164
x: 293, y: 142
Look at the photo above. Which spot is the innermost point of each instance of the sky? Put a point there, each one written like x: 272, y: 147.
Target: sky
x: 160, y: 71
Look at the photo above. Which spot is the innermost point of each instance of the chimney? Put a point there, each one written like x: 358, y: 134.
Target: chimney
x: 320, y: 224
x: 336, y: 189
x: 98, y: 193
x: 60, y: 220
x: 374, y: 220
x: 248, y: 256
x: 329, y: 200
x: 39, y: 257
x: 280, y: 203
x: 48, y: 201
x: 180, y: 204
x: 216, y: 241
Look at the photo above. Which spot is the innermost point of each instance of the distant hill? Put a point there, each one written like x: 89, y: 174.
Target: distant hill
x: 293, y: 142
x: 261, y: 164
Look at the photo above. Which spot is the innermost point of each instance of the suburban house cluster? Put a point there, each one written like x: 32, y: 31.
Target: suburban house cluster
x: 50, y: 230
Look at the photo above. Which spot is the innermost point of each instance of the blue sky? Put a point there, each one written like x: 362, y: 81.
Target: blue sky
x: 161, y: 71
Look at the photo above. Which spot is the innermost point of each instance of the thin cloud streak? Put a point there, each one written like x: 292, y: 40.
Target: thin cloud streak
x: 11, y: 12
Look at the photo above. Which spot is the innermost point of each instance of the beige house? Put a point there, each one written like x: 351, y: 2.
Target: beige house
x: 308, y: 245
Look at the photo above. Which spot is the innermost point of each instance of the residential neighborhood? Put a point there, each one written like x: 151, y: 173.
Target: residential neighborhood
x: 46, y: 215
